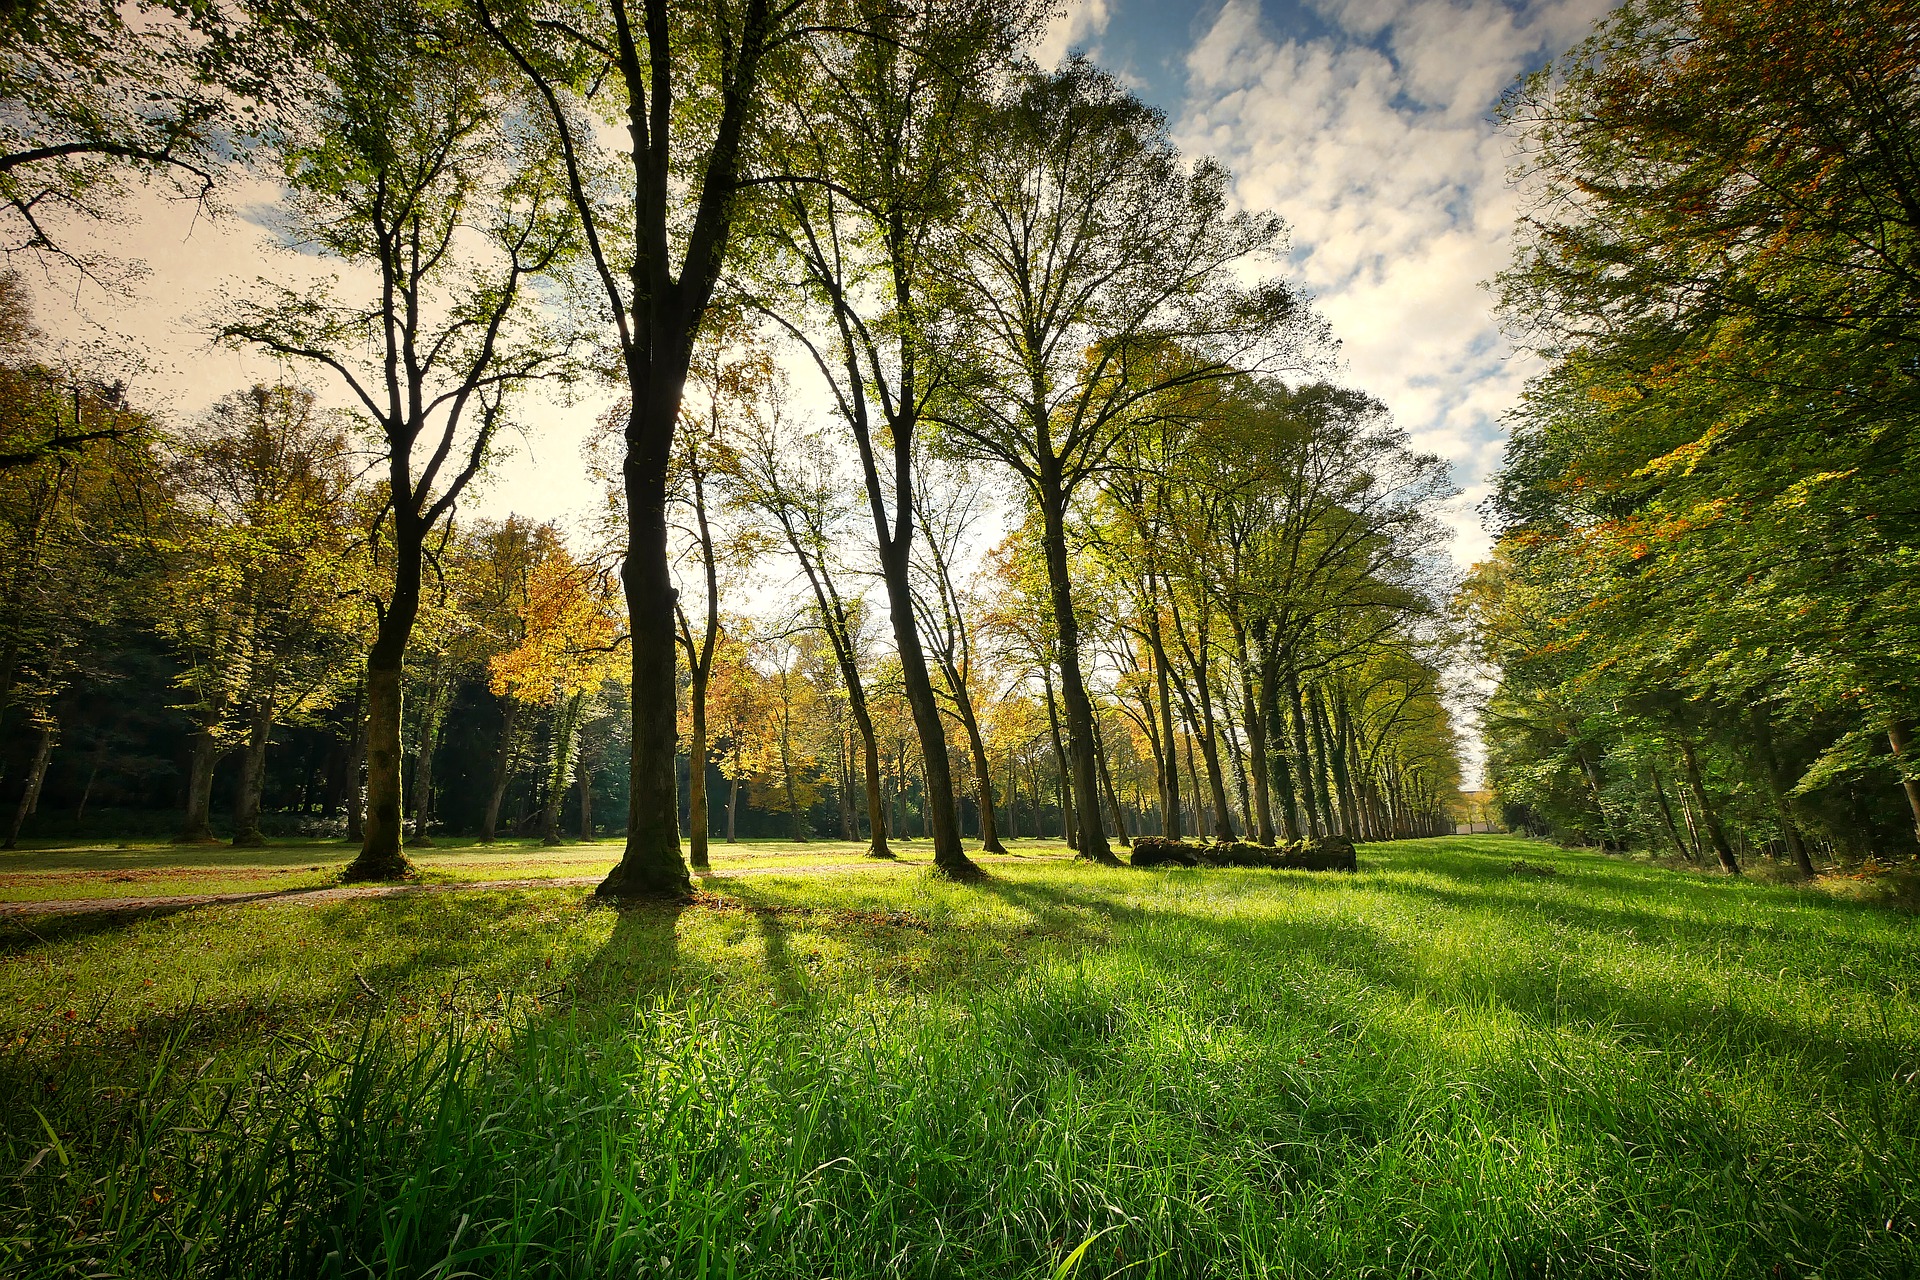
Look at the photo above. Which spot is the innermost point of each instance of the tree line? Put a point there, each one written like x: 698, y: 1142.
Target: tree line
x: 1081, y: 516
x: 1701, y: 608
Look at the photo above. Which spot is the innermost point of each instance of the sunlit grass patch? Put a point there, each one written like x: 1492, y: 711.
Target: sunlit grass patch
x: 1432, y: 1067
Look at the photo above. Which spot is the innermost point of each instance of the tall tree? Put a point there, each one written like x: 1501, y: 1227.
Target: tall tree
x: 883, y: 122
x: 406, y: 166
x: 657, y: 224
x: 1097, y: 272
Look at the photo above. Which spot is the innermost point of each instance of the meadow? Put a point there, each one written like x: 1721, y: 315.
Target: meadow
x: 1479, y: 1056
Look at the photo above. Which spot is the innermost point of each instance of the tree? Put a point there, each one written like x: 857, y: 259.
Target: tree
x: 406, y: 166
x: 75, y: 553
x: 1711, y: 483
x: 1096, y: 273
x: 793, y: 478
x: 881, y: 127
x: 257, y: 601
x: 657, y: 226
x: 949, y: 504
x: 571, y: 636
x: 92, y: 93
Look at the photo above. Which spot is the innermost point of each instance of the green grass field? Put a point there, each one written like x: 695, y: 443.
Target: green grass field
x: 50, y: 871
x: 1442, y: 1066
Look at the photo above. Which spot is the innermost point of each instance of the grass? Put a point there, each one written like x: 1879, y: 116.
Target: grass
x: 153, y: 868
x: 1442, y: 1066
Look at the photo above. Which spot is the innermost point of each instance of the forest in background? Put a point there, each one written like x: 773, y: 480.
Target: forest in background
x: 1085, y: 545
x: 1702, y: 608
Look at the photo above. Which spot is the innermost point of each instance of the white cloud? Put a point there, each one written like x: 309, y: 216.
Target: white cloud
x: 1377, y: 146
x: 1074, y: 27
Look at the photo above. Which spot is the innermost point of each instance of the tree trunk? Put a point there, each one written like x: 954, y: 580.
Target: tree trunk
x: 1666, y: 815
x: 1274, y: 735
x: 253, y: 771
x: 423, y: 766
x: 1777, y: 789
x: 1084, y: 771
x: 651, y: 865
x: 1106, y: 786
x: 510, y: 715
x: 565, y: 729
x: 1193, y: 776
x: 1897, y: 739
x: 1067, y: 829
x: 1256, y: 748
x: 36, y: 775
x: 585, y: 783
x: 939, y: 814
x: 733, y: 808
x: 1714, y: 833
x: 1170, y: 771
x: 1303, y: 757
x: 197, y: 827
x: 1322, y: 763
x: 697, y: 815
x: 1013, y: 795
x: 870, y: 776
x: 1593, y: 785
x: 380, y: 857
x: 982, y: 772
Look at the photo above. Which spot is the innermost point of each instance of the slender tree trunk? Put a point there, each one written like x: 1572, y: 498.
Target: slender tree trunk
x: 1777, y: 789
x: 1273, y: 733
x: 698, y: 819
x: 1666, y: 815
x: 1193, y: 776
x: 86, y: 792
x: 870, y: 776
x: 1257, y: 748
x: 585, y: 783
x: 733, y: 808
x: 982, y: 772
x: 1599, y: 807
x: 253, y: 770
x: 1897, y: 739
x: 1696, y: 846
x: 423, y: 766
x: 1013, y: 794
x: 938, y: 809
x: 197, y: 826
x: 1714, y: 833
x: 565, y: 728
x: 36, y: 775
x: 1170, y: 772
x: 1083, y: 771
x: 1303, y: 757
x: 1106, y: 786
x: 503, y: 753
x: 1322, y: 763
x: 1068, y: 831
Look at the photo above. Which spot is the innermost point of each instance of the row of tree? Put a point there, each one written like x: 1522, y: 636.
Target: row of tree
x: 1702, y: 609
x: 985, y: 264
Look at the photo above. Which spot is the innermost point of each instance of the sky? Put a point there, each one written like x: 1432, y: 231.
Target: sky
x: 1369, y: 126
x: 1366, y: 124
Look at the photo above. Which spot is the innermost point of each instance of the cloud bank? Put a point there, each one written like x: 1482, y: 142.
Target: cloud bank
x: 1373, y: 138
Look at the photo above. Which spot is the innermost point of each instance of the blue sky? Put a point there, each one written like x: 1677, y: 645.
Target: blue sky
x: 1368, y: 125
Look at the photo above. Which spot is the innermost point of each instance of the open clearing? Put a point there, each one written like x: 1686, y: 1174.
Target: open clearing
x: 1441, y: 1066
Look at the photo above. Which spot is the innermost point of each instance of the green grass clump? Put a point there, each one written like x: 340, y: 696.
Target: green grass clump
x: 1440, y: 1066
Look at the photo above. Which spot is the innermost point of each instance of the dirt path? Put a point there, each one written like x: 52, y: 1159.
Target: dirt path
x: 323, y: 894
